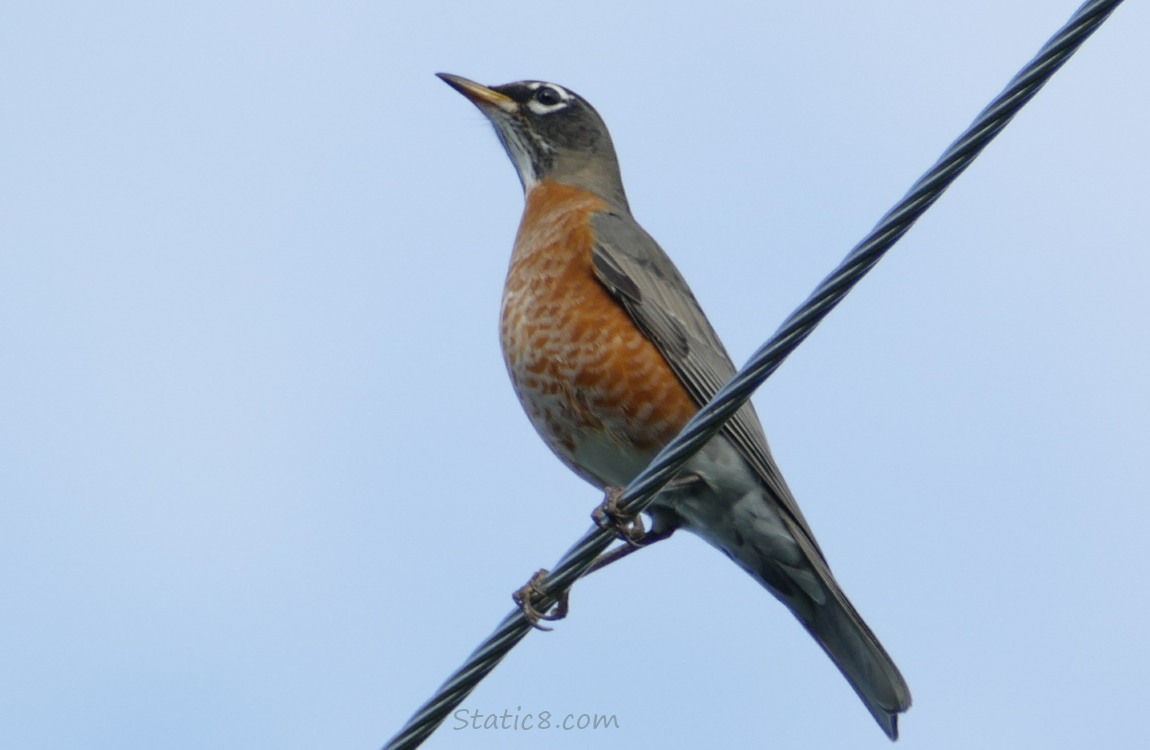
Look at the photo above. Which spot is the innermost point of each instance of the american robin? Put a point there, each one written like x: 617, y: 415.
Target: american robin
x: 610, y: 355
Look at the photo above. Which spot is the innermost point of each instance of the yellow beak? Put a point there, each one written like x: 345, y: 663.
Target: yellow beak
x: 480, y: 95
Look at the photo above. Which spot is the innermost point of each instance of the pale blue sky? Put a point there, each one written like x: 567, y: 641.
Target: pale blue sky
x: 264, y: 484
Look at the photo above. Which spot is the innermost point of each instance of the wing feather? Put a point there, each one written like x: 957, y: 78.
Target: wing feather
x: 640, y: 275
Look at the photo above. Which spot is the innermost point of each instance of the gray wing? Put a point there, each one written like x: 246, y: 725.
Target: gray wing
x: 640, y: 275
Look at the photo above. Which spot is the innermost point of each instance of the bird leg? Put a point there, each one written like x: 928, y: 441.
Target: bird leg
x: 608, y: 516
x: 629, y: 527
x: 630, y: 546
x: 534, y: 588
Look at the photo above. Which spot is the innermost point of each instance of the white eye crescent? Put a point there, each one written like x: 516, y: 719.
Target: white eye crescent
x: 548, y: 97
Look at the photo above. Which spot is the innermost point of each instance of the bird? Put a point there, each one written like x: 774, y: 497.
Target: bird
x: 610, y: 355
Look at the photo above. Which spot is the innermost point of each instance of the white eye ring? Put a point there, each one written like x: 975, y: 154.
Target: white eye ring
x: 561, y: 98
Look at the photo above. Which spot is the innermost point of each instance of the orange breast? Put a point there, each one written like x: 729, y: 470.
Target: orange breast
x: 596, y: 389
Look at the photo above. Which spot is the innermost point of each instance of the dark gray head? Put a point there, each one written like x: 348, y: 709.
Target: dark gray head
x: 550, y: 133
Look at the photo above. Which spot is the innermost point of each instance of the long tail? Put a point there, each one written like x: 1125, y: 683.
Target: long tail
x: 778, y: 551
x: 855, y: 650
x: 813, y: 595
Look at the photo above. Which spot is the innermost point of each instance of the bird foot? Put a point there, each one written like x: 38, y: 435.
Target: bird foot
x: 523, y: 598
x: 609, y: 516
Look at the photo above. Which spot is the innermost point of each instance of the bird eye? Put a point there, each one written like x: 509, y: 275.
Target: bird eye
x: 548, y: 96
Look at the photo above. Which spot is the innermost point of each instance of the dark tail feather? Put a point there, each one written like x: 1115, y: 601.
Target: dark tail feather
x: 855, y: 650
x: 763, y: 532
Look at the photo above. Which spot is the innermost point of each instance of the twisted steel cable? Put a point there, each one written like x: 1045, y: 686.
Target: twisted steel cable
x: 710, y: 419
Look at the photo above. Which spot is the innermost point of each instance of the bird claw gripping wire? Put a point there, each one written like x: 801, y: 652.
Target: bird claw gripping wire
x: 534, y: 588
x: 609, y: 516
